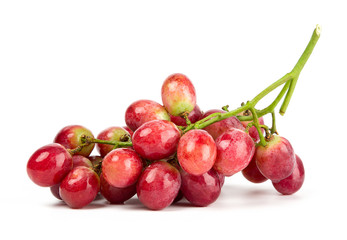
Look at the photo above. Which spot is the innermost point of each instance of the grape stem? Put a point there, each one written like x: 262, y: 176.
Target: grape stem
x: 289, y: 80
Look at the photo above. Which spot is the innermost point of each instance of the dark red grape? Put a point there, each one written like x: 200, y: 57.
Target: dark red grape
x: 293, y: 183
x: 79, y: 160
x: 116, y: 195
x: 55, y: 191
x: 201, y: 190
x: 252, y: 173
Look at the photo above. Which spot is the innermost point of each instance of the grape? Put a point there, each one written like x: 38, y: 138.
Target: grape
x: 70, y: 138
x: 121, y: 167
x: 158, y: 185
x: 110, y: 134
x: 235, y: 150
x: 293, y: 183
x: 276, y: 160
x: 49, y: 165
x: 129, y: 131
x: 116, y: 195
x: 253, y: 132
x: 252, y: 173
x: 218, y: 128
x: 156, y: 140
x: 79, y: 160
x: 196, y: 152
x: 143, y: 111
x: 55, y: 191
x: 201, y: 190
x: 193, y: 116
x: 79, y: 187
x: 178, y: 94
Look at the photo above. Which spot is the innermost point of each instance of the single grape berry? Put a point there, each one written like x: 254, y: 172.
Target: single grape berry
x: 193, y: 117
x: 143, y: 111
x: 158, y: 185
x: 156, y: 140
x: 252, y: 173
x: 178, y: 94
x: 79, y: 187
x: 201, y: 190
x: 293, y: 183
x: 196, y: 152
x: 218, y: 128
x: 70, y: 138
x: 121, y: 167
x: 235, y: 150
x: 49, y: 165
x: 111, y: 134
x: 79, y: 160
x: 276, y: 160
x: 55, y: 191
x: 116, y: 195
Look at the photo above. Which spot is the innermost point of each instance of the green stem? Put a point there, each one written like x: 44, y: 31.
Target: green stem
x: 273, y: 127
x: 257, y: 126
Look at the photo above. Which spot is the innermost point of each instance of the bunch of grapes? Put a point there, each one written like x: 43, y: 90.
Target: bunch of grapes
x: 157, y: 159
x: 170, y: 151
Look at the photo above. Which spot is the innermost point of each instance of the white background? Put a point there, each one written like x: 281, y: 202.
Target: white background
x: 84, y: 62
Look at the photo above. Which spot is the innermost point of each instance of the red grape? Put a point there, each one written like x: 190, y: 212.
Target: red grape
x: 110, y: 134
x: 218, y: 128
x: 79, y: 160
x: 116, y: 195
x: 235, y: 150
x: 276, y: 160
x: 121, y: 167
x: 143, y: 111
x: 178, y: 94
x: 70, y: 138
x: 79, y: 187
x: 158, y: 185
x: 252, y: 173
x: 221, y: 179
x: 156, y: 139
x: 49, y: 165
x: 196, y: 152
x: 201, y: 190
x: 193, y: 116
x: 55, y: 191
x: 293, y: 183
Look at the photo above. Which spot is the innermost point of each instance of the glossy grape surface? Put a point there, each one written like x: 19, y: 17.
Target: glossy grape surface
x: 178, y: 94
x: 156, y: 139
x: 235, y: 150
x: 143, y: 111
x: 79, y: 187
x: 122, y: 167
x: 196, y: 152
x: 49, y: 165
x: 294, y: 182
x: 116, y: 195
x: 252, y: 173
x: 276, y: 160
x: 158, y: 185
x: 193, y: 116
x: 201, y: 190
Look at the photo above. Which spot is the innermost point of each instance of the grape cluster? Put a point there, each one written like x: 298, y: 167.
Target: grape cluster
x: 162, y: 156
